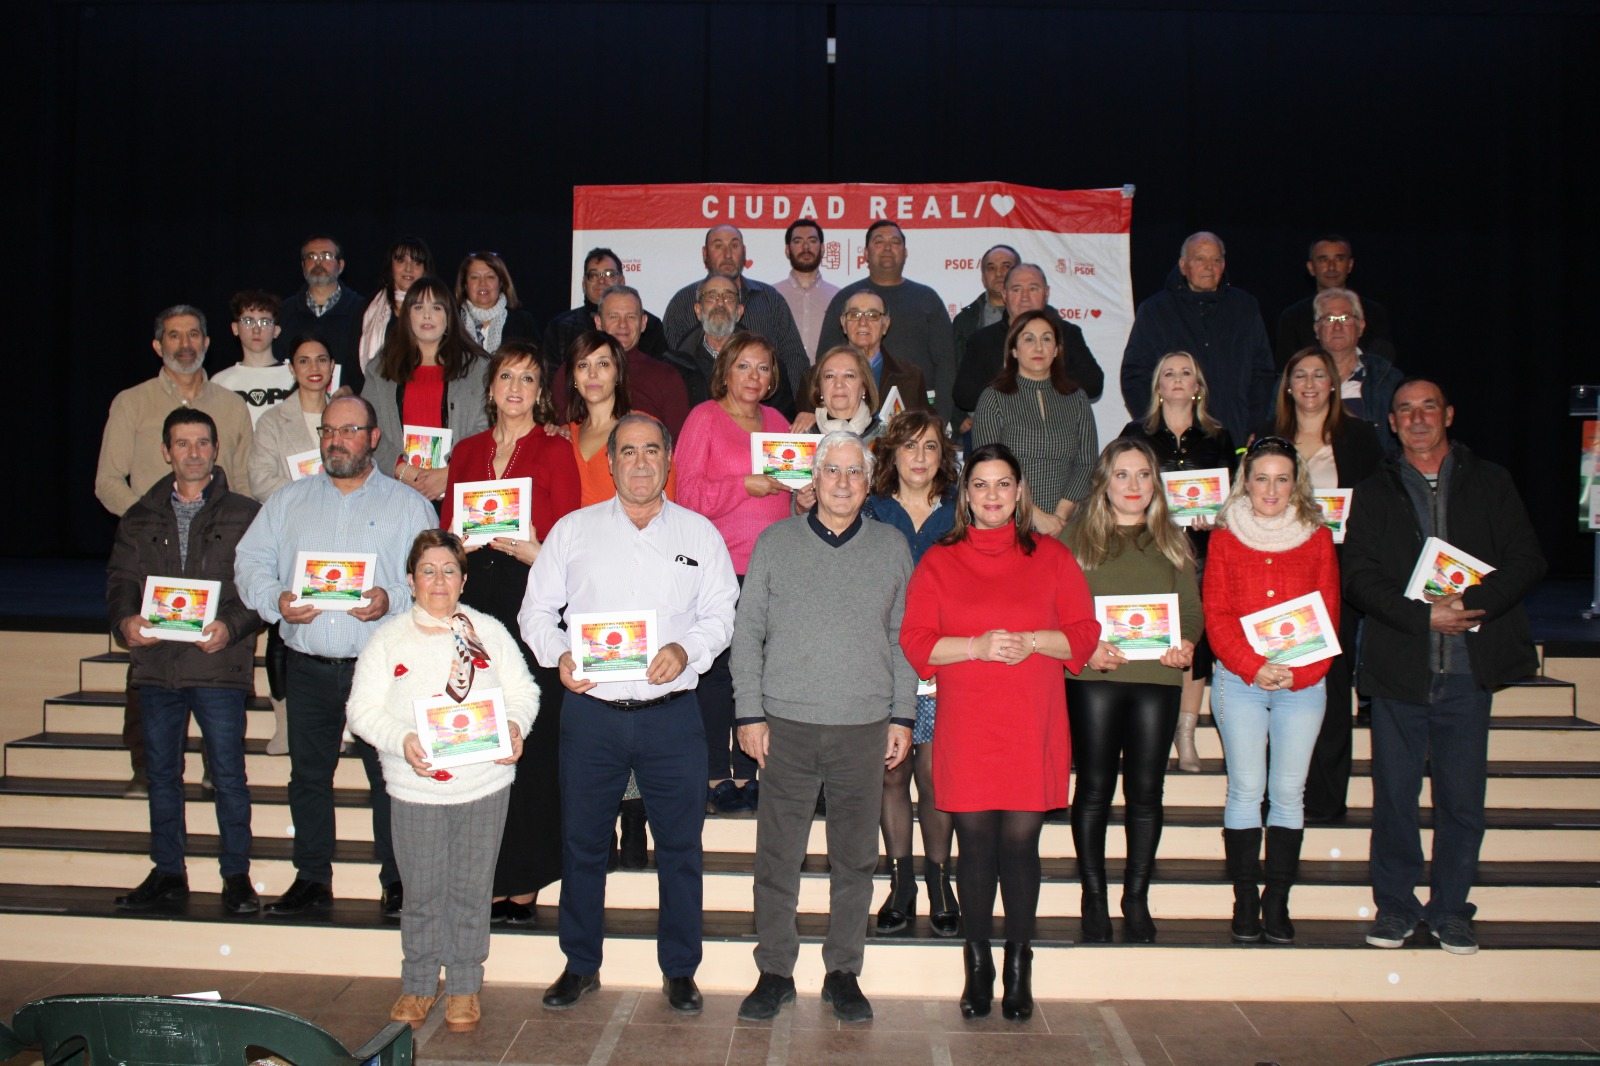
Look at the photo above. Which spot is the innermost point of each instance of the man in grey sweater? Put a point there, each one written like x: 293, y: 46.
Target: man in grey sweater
x: 821, y: 689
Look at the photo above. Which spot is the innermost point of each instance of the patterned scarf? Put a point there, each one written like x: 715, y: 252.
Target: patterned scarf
x: 470, y: 655
x: 485, y: 324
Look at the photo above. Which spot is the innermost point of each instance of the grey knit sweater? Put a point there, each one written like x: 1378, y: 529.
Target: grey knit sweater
x: 817, y: 638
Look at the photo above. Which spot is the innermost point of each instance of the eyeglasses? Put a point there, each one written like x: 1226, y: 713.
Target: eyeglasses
x: 725, y: 297
x: 1339, y: 318
x: 857, y: 316
x: 319, y: 257
x: 854, y: 473
x: 252, y: 323
x: 598, y: 275
x: 342, y: 432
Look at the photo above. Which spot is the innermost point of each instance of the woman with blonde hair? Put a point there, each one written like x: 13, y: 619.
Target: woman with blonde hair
x: 1184, y: 436
x: 1127, y: 545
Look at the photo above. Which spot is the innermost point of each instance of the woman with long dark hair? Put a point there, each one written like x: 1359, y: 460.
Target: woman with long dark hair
x: 408, y: 260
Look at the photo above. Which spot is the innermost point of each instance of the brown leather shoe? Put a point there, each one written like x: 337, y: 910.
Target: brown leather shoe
x: 461, y: 1013
x: 412, y: 1009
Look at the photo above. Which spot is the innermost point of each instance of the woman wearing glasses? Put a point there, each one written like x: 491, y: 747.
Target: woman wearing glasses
x: 1270, y: 547
x: 1339, y: 451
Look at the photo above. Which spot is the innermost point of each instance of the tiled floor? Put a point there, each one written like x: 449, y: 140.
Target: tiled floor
x: 629, y: 1027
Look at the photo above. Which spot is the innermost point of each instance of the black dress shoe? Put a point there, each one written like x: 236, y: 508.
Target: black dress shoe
x: 497, y: 911
x: 156, y: 890
x: 519, y: 913
x: 568, y: 989
x: 239, y: 895
x: 768, y: 998
x: 302, y: 896
x: 682, y: 995
x: 394, y: 897
x: 849, y: 1005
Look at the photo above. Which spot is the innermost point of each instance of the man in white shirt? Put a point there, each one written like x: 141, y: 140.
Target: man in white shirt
x: 804, y: 290
x: 634, y: 553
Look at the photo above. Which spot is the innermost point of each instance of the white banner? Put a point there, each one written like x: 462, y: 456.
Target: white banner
x: 1079, y: 237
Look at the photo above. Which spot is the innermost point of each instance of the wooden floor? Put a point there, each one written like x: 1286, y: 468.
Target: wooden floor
x: 633, y: 1027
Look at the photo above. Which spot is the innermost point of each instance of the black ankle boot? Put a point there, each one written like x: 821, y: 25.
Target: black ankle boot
x: 1017, y: 1001
x: 944, y: 912
x: 901, y: 906
x: 634, y: 851
x: 1282, y: 867
x: 1095, y: 915
x: 1137, y: 925
x: 978, y: 995
x: 1243, y: 849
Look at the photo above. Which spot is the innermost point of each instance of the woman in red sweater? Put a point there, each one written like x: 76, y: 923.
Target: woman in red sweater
x: 1271, y: 547
x: 996, y: 610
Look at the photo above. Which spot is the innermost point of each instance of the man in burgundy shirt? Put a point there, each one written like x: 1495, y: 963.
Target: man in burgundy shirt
x: 653, y: 387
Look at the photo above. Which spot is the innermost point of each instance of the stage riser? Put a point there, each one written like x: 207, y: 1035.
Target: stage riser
x: 95, y: 718
x: 96, y: 675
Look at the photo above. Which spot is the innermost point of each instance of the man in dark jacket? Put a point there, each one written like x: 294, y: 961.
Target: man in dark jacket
x: 1199, y: 312
x: 1430, y: 676
x: 718, y: 310
x: 185, y: 529
x: 325, y: 308
x: 602, y: 268
x: 990, y: 306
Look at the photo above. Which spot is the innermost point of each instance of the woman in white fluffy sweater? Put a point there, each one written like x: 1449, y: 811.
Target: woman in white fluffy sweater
x: 447, y: 823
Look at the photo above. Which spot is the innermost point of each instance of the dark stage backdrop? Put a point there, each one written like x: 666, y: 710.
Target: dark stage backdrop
x: 167, y: 152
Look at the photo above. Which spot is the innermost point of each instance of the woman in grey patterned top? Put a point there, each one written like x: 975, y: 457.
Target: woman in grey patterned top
x: 1034, y: 409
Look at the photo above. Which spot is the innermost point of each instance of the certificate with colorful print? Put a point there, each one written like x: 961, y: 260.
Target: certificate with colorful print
x: 1141, y: 627
x: 485, y: 510
x: 1298, y: 632
x: 1443, y: 570
x: 892, y: 404
x: 334, y: 581
x: 179, y: 608
x: 463, y: 732
x: 304, y: 464
x: 1335, y: 507
x: 425, y: 447
x: 613, y: 646
x: 1193, y: 494
x: 784, y: 456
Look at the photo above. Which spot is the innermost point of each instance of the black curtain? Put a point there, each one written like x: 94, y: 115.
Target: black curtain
x: 174, y: 152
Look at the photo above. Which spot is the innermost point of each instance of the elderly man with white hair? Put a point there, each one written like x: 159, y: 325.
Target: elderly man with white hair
x: 825, y: 699
x: 1366, y: 379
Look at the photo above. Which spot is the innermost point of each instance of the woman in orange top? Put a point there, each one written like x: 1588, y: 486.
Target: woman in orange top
x: 597, y: 397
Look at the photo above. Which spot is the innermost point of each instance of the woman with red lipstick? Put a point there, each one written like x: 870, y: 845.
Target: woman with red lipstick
x: 1124, y: 713
x: 1339, y: 451
x: 995, y: 611
x: 430, y: 374
x: 713, y: 455
x: 1270, y: 547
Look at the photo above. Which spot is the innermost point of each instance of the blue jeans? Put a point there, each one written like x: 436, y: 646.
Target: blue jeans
x: 1450, y: 737
x: 1247, y: 717
x: 220, y: 712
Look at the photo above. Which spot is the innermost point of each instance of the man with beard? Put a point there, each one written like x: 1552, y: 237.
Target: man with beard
x: 131, y: 457
x: 349, y: 507
x: 718, y: 309
x: 653, y: 386
x: 327, y: 309
x: 804, y: 290
x: 921, y: 322
x: 602, y: 268
x: 765, y: 311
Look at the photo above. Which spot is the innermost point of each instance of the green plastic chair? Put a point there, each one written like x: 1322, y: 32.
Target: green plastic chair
x: 1496, y: 1058
x: 116, y: 1030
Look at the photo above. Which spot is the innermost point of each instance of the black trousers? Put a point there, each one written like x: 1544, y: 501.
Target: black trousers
x: 1328, y: 776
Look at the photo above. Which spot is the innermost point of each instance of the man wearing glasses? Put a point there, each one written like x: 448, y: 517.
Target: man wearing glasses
x: 1330, y: 262
x: 718, y: 309
x: 865, y: 321
x: 258, y: 379
x: 349, y: 507
x: 826, y: 700
x: 327, y: 309
x: 1366, y: 379
x: 602, y: 268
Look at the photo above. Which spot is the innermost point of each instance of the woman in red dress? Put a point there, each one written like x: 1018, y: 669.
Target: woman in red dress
x: 996, y: 610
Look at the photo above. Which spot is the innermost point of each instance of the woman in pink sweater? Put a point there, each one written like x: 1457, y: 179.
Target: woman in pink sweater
x: 713, y: 464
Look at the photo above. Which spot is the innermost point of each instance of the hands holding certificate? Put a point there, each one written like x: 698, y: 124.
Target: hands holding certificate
x: 417, y: 758
x: 1450, y: 616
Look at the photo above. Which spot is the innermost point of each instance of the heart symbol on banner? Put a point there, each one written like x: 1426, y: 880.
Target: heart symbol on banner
x: 1002, y: 204
x: 1095, y: 311
x: 748, y: 263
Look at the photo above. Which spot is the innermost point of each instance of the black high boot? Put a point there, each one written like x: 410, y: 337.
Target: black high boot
x: 1283, y: 866
x: 1144, y: 833
x: 901, y: 906
x: 944, y: 912
x: 1089, y: 841
x: 634, y: 852
x: 1016, y: 1002
x: 1243, y: 848
x: 978, y: 995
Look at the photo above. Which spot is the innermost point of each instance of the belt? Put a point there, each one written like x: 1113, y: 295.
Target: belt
x: 639, y: 705
x: 324, y: 658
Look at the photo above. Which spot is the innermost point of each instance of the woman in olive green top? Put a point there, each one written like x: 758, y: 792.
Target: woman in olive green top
x: 1127, y: 546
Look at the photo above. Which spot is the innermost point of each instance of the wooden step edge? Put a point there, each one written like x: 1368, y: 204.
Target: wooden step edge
x: 94, y: 698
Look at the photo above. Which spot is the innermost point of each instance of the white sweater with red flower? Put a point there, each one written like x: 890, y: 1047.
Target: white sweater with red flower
x: 403, y: 662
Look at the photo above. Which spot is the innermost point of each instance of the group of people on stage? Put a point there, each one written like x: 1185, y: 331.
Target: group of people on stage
x: 808, y: 643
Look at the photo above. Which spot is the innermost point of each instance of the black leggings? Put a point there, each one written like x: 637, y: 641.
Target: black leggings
x: 1132, y: 724
x: 998, y: 846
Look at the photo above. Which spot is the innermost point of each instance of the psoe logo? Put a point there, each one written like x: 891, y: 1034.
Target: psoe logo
x: 832, y: 255
x: 632, y: 266
x: 1075, y: 268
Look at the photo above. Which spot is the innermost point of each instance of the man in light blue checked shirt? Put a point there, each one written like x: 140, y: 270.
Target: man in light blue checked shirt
x: 349, y: 507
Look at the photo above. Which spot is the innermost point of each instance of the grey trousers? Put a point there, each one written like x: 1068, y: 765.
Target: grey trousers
x: 848, y: 760
x: 447, y: 853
